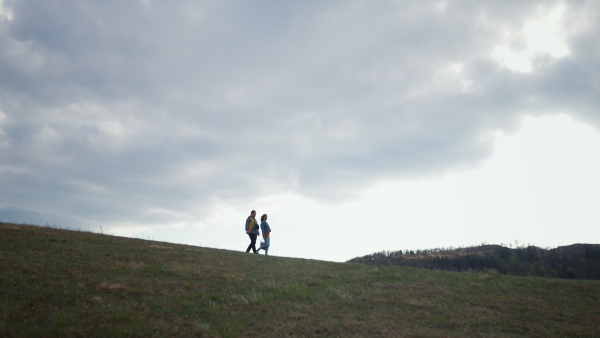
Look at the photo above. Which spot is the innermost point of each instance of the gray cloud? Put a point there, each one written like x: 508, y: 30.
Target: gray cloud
x: 111, y: 109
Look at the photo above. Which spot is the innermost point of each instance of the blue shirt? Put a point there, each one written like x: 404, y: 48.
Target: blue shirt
x: 264, y: 226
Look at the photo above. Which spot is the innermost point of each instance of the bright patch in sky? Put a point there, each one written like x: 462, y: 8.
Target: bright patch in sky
x: 5, y: 12
x: 540, y: 37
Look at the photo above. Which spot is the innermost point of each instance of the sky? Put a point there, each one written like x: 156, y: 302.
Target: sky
x: 357, y: 126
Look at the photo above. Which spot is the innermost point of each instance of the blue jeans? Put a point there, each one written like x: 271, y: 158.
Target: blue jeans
x: 266, y: 245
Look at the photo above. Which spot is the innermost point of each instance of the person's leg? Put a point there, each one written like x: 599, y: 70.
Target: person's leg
x: 253, y: 242
x: 249, y: 246
x: 267, y: 245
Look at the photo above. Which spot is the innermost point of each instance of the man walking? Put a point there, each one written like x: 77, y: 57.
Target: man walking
x: 252, y: 231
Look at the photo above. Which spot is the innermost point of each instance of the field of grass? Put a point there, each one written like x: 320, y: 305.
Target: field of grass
x: 71, y: 283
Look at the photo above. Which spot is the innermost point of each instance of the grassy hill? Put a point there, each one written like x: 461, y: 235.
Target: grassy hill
x: 70, y: 283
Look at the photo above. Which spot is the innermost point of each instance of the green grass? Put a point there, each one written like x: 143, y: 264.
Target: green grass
x: 70, y: 283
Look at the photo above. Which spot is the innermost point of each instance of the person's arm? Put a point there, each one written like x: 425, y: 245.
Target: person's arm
x: 247, y: 225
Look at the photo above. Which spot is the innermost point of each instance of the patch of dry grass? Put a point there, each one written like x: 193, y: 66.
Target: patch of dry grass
x: 159, y: 247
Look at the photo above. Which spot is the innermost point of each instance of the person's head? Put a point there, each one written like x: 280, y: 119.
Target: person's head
x: 263, y: 217
x: 253, y: 213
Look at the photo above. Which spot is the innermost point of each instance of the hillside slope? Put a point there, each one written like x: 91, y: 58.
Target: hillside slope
x: 69, y: 283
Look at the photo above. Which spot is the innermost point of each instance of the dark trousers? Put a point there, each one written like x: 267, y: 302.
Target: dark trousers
x: 252, y: 243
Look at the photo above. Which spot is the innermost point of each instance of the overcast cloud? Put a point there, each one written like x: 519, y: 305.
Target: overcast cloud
x: 153, y: 114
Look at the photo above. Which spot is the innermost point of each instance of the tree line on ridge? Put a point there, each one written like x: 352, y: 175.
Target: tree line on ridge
x: 577, y: 261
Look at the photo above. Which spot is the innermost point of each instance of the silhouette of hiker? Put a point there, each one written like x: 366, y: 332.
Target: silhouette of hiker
x: 252, y: 231
x: 266, y: 230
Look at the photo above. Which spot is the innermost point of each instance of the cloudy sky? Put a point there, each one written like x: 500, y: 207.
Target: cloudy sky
x: 358, y: 126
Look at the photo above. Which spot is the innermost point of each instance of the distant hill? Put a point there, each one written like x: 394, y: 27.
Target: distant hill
x: 62, y: 283
x: 577, y: 261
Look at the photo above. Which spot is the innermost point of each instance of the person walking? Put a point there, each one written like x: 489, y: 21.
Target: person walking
x: 266, y: 231
x: 252, y: 231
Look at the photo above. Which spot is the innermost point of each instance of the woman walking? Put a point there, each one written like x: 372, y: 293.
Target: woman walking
x: 266, y: 230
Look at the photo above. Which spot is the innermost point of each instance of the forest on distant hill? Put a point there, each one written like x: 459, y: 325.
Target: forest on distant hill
x: 577, y: 261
